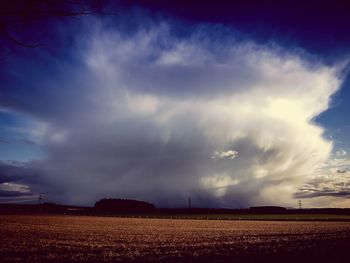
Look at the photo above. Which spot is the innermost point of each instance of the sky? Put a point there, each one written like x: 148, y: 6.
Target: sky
x: 235, y: 105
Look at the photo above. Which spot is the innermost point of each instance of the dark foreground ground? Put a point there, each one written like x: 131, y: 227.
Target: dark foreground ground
x: 49, y: 238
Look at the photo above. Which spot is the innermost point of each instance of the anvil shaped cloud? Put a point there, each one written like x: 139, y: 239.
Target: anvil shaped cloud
x: 139, y: 115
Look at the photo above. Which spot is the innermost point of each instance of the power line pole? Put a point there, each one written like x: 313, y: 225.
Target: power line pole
x: 189, y: 202
x: 299, y: 204
x: 40, y: 199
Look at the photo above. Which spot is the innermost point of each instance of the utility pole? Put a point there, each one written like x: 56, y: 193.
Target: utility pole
x: 299, y: 204
x: 189, y: 202
x: 40, y: 199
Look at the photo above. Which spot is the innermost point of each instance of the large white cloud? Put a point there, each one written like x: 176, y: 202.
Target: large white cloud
x: 152, y: 109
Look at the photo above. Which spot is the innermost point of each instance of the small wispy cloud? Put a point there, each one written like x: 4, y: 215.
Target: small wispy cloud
x: 341, y: 152
x: 2, y: 141
x: 224, y: 155
x: 14, y: 187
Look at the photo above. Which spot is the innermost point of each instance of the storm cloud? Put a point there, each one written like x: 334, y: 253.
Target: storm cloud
x: 159, y: 117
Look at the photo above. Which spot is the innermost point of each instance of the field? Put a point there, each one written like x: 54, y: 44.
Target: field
x: 230, y: 216
x: 45, y: 238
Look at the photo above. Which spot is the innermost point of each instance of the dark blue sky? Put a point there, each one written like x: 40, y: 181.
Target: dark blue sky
x: 232, y: 99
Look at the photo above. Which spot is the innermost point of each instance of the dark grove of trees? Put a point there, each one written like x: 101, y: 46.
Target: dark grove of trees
x: 123, y: 205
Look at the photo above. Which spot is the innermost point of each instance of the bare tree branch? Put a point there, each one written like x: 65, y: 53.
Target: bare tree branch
x: 18, y: 14
x: 18, y: 42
